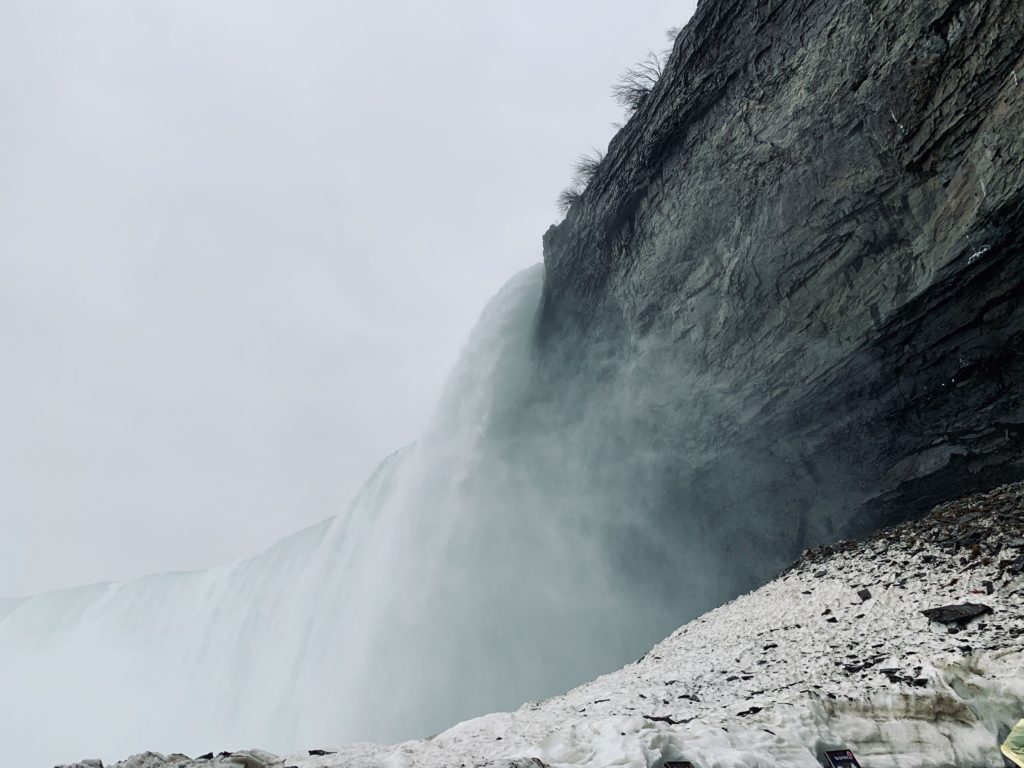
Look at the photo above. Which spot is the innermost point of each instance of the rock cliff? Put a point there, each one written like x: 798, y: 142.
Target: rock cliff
x: 816, y: 220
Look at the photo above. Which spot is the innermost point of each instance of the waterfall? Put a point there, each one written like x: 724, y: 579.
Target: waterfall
x: 507, y: 555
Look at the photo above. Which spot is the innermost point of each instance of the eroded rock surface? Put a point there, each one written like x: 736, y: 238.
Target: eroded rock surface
x: 816, y: 219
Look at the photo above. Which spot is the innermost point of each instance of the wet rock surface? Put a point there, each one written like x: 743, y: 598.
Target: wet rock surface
x: 816, y: 221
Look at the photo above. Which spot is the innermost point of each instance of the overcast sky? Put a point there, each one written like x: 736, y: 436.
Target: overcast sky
x: 242, y: 242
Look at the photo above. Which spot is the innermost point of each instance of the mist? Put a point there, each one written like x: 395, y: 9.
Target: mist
x: 518, y: 548
x: 553, y: 521
x: 241, y: 245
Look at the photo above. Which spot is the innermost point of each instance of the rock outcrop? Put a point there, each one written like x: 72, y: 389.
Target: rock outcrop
x: 817, y: 219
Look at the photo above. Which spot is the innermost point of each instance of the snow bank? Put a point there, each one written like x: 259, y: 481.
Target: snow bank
x: 836, y: 652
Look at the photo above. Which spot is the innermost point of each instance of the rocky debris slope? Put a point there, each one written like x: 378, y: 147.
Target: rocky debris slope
x: 814, y: 225
x: 844, y: 649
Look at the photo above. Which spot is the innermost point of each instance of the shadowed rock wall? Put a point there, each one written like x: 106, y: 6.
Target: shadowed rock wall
x: 816, y: 219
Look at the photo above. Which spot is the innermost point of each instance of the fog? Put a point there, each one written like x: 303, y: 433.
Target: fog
x: 525, y: 543
x: 241, y: 244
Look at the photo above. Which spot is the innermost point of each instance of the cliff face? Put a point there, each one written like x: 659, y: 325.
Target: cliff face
x: 817, y: 220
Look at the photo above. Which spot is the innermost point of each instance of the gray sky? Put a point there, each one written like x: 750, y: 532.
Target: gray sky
x: 242, y: 242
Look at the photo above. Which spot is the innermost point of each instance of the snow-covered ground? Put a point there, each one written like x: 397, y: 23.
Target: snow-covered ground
x: 835, y: 652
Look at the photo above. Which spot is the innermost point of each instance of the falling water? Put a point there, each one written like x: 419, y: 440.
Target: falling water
x: 519, y: 547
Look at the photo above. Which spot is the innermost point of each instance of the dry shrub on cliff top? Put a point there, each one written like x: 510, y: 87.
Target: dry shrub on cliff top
x: 629, y: 92
x: 636, y: 82
x: 583, y: 171
x: 567, y: 197
x: 586, y: 166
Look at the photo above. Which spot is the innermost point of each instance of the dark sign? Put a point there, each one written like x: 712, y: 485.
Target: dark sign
x: 841, y: 758
x: 679, y: 764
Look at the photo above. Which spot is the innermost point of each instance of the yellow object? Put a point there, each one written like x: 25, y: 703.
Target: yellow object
x: 1013, y: 747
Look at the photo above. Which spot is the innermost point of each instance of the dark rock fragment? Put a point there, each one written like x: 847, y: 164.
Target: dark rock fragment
x: 959, y: 614
x: 665, y: 719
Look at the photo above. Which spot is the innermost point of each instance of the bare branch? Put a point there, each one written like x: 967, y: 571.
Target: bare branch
x: 586, y: 166
x: 636, y: 82
x: 567, y: 197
